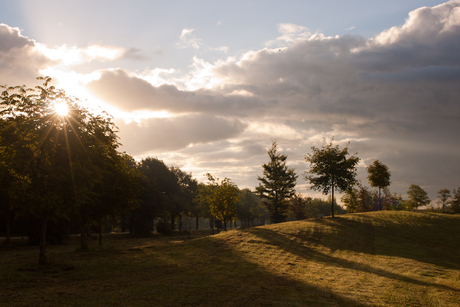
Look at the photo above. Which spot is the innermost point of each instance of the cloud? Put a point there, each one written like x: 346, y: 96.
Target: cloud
x: 170, y: 134
x: 68, y: 56
x: 394, y: 96
x: 224, y: 49
x: 20, y: 62
x: 188, y: 39
x: 135, y: 54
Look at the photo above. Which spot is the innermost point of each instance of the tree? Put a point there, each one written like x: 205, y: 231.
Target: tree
x: 455, y: 202
x: 187, y: 192
x: 203, y: 201
x: 350, y: 200
x: 277, y: 185
x: 49, y: 154
x: 223, y: 200
x: 117, y: 192
x: 250, y: 208
x: 331, y: 170
x: 417, y: 197
x: 298, y: 206
x: 379, y: 177
x: 164, y: 181
x: 358, y: 199
x: 444, y: 195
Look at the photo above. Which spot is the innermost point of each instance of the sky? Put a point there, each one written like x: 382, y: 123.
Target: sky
x: 208, y: 85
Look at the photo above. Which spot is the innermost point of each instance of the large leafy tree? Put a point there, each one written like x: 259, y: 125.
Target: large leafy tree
x: 379, y: 177
x: 188, y: 187
x: 48, y: 143
x: 417, y: 197
x: 117, y: 192
x: 277, y: 185
x: 159, y: 198
x: 331, y: 169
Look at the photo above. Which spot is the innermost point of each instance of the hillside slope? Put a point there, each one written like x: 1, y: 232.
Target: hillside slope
x: 366, y: 259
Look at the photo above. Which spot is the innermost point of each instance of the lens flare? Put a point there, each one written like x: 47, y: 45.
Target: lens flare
x: 61, y: 109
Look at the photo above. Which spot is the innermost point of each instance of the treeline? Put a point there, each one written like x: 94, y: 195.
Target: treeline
x: 61, y: 172
x: 333, y: 169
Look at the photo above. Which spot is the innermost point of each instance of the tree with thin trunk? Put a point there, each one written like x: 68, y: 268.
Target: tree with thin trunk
x: 331, y: 170
x: 379, y: 177
x: 455, y: 202
x: 417, y: 197
x: 444, y: 196
x: 223, y: 200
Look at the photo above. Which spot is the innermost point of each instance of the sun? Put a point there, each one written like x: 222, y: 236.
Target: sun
x: 61, y: 108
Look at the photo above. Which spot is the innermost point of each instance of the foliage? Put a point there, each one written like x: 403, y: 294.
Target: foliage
x: 50, y: 158
x: 417, y: 197
x: 250, y: 208
x: 455, y: 202
x: 276, y: 185
x: 444, y: 196
x: 379, y: 177
x: 298, y: 206
x: 331, y: 170
x: 223, y: 199
x: 350, y: 200
x: 160, y: 190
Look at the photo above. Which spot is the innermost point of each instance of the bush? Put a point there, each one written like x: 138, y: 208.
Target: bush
x: 164, y: 228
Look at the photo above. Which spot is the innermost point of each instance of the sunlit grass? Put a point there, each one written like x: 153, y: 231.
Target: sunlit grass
x: 371, y: 259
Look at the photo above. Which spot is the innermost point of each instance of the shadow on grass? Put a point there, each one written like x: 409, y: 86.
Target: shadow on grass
x: 424, y: 237
x: 309, y: 254
x: 203, y: 272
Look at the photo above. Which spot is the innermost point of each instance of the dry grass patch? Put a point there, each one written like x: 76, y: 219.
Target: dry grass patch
x: 372, y: 259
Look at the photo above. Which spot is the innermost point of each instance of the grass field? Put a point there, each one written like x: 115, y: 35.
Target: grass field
x: 367, y: 259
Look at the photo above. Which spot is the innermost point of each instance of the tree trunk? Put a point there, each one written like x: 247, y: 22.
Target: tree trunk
x: 332, y: 200
x: 123, y: 227
x: 197, y: 221
x: 225, y: 225
x: 100, y: 232
x: 8, y: 228
x: 84, y: 243
x: 211, y: 223
x: 42, y: 258
x: 173, y: 221
x: 380, y: 202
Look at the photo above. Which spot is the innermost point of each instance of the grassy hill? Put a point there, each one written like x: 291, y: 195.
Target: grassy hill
x: 367, y: 259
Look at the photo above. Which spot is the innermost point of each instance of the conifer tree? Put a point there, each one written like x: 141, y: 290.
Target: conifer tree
x: 276, y: 185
